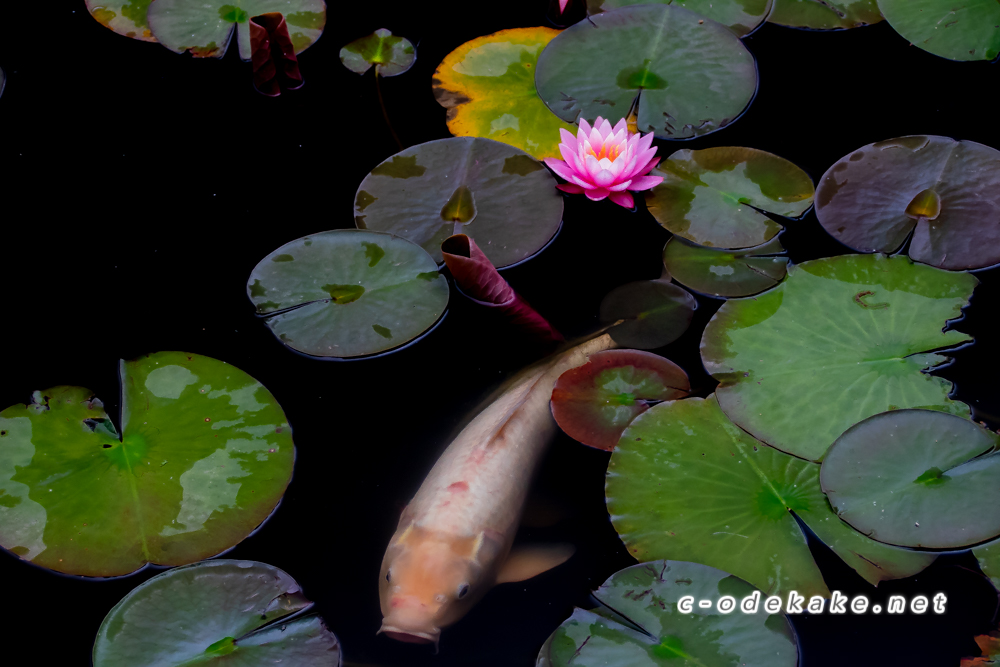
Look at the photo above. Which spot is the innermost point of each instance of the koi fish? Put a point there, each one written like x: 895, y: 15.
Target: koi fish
x: 454, y: 539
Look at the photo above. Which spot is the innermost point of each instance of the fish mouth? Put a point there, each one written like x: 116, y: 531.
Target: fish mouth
x: 410, y: 636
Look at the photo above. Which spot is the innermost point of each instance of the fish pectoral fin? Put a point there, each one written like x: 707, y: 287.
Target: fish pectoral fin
x: 527, y: 562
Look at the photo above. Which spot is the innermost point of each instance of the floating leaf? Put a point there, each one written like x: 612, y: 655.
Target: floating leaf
x: 715, y: 196
x: 685, y: 482
x: 348, y: 293
x: 389, y: 54
x: 691, y: 76
x: 725, y: 273
x: 946, y: 192
x: 204, y: 27
x: 126, y: 17
x: 595, y: 402
x: 641, y: 624
x: 233, y: 612
x: 655, y: 313
x: 916, y: 478
x: 990, y: 647
x: 988, y: 556
x: 740, y: 16
x: 825, y: 14
x: 839, y: 340
x: 965, y: 30
x: 274, y: 60
x: 497, y: 194
x: 204, y: 457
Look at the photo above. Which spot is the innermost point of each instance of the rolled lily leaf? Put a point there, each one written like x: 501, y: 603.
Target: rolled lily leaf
x: 125, y: 17
x: 479, y: 280
x: 273, y: 58
x: 653, y: 313
x: 389, y: 54
x: 967, y: 30
x: 825, y: 14
x: 725, y: 273
x: 740, y: 16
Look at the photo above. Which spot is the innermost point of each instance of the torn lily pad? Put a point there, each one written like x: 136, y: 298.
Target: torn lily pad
x: 204, y: 456
x: 718, y: 197
x: 391, y: 55
x: 968, y: 30
x: 653, y: 313
x: 945, y: 193
x: 233, y: 612
x: 691, y: 76
x: 125, y: 17
x: 825, y: 14
x: 725, y: 273
x: 740, y: 16
x: 348, y: 293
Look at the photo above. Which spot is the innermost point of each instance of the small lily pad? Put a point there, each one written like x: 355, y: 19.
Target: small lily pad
x: 725, y: 273
x: 488, y: 87
x: 389, y: 54
x: 654, y: 313
x: 740, y: 16
x: 989, y: 645
x: 988, y: 556
x: 497, y: 194
x: 348, y: 293
x: 825, y: 14
x: 594, y: 403
x: 967, y: 30
x: 642, y: 624
x: 204, y: 456
x: 916, y: 478
x: 691, y: 76
x: 232, y: 612
x: 717, y: 196
x: 945, y: 192
x: 126, y: 17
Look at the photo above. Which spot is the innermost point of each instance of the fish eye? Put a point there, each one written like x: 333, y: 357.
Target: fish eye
x: 463, y: 590
x: 388, y: 576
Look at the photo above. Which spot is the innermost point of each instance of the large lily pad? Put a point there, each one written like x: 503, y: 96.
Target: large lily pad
x: 686, y: 483
x: 204, y: 456
x: 725, y: 273
x: 348, y: 293
x: 963, y: 30
x: 495, y: 193
x: 691, y: 76
x: 126, y: 17
x: 642, y: 626
x: 715, y: 196
x: 488, y: 87
x: 227, y: 612
x: 391, y: 55
x: 740, y: 16
x: 825, y: 14
x: 916, y: 478
x: 841, y: 339
x: 653, y: 313
x: 946, y: 192
x: 204, y: 27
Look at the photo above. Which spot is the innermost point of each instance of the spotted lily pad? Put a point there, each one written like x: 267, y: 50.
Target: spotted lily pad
x: 725, y: 273
x: 945, y: 192
x: 654, y: 313
x: 391, y: 55
x: 692, y: 76
x: 916, y: 478
x: 825, y: 14
x: 740, y: 16
x: 717, y: 196
x: 686, y: 483
x: 204, y: 27
x: 963, y: 30
x: 126, y: 17
x: 497, y: 194
x: 231, y: 612
x: 488, y: 87
x: 594, y: 403
x: 841, y: 339
x: 643, y: 623
x: 203, y: 458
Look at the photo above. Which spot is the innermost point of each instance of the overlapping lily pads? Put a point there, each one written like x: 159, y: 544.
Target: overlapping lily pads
x: 653, y: 313
x: 692, y: 76
x: 740, y: 16
x: 946, y: 192
x: 497, y: 194
x: 825, y: 14
x: 641, y: 624
x: 716, y: 196
x: 725, y: 273
x: 231, y: 612
x: 686, y: 483
x: 967, y: 30
x: 841, y: 339
x: 126, y: 17
x: 203, y: 457
x: 391, y: 55
x: 348, y: 293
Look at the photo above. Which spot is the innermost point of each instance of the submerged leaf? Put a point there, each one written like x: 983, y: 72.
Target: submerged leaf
x: 725, y: 273
x: 740, y: 16
x: 391, y: 55
x: 966, y: 30
x: 825, y: 14
x: 654, y: 313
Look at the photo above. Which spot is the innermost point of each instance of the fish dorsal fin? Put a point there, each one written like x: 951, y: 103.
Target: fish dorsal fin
x: 527, y: 562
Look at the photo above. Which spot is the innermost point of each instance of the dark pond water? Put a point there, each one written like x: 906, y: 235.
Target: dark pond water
x: 140, y: 188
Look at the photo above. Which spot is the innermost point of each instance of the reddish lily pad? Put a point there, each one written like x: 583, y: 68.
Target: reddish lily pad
x: 725, y: 273
x: 825, y: 14
x: 964, y: 30
x: 740, y: 16
x: 391, y: 55
x: 653, y: 313
x: 989, y: 645
x: 125, y: 17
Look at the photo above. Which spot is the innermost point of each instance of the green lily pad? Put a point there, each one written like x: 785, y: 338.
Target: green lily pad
x: 348, y: 293
x: 964, y: 30
x: 686, y: 483
x: 841, y: 339
x: 692, y: 76
x: 488, y: 87
x: 988, y: 556
x: 497, y: 194
x: 916, y: 478
x: 740, y: 16
x: 642, y: 625
x: 654, y: 313
x: 231, y: 612
x: 389, y: 54
x: 725, y: 273
x: 716, y: 196
x: 825, y: 14
x: 204, y: 27
x: 594, y: 403
x: 945, y: 192
x: 126, y: 17
x: 204, y: 457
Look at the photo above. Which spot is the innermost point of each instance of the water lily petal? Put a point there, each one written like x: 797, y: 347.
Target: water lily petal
x: 622, y: 199
x: 560, y: 167
x: 571, y: 158
x: 645, y: 183
x: 605, y: 127
x: 618, y: 187
x: 571, y: 188
x: 604, y: 178
x: 605, y: 163
x: 643, y: 158
x: 582, y: 180
x: 621, y: 125
x: 568, y: 140
x: 584, y: 128
x: 649, y: 166
x: 593, y: 166
x: 597, y: 194
x: 645, y: 141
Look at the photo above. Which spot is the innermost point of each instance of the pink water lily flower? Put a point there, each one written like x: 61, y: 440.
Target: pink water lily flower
x: 604, y: 161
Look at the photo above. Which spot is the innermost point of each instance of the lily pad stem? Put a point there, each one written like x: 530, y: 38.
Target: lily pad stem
x: 385, y: 114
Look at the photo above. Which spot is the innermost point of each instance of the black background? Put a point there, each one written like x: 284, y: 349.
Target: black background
x: 140, y: 187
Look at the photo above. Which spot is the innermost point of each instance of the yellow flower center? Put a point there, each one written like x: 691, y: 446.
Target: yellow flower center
x: 610, y: 152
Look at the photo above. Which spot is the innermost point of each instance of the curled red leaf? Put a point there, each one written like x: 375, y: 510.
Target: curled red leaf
x: 273, y: 55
